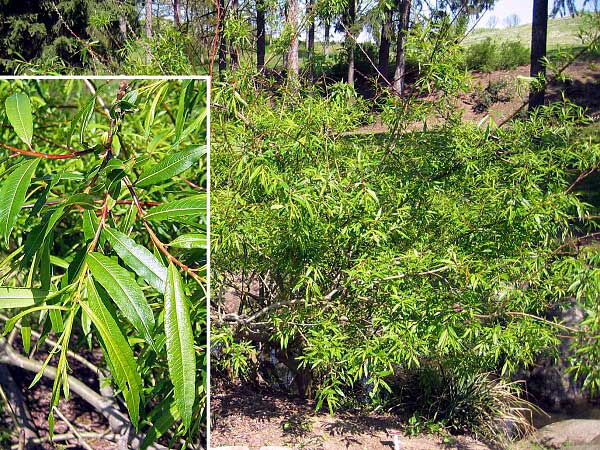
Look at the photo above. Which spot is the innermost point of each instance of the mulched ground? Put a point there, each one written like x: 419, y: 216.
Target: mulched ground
x: 244, y: 415
x: 77, y: 411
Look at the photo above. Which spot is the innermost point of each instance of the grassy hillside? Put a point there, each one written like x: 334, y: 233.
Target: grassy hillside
x: 561, y: 32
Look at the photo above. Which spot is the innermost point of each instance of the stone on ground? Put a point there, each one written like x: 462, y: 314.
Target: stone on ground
x: 570, y: 433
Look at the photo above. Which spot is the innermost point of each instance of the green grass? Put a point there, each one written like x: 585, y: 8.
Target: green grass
x: 561, y: 33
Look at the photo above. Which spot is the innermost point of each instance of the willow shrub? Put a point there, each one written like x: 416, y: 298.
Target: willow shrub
x: 369, y: 256
x: 103, y: 244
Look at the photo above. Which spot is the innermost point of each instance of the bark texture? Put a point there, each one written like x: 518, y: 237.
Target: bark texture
x: 539, y: 33
x: 400, y: 71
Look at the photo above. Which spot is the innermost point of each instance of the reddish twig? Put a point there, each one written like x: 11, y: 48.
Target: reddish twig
x: 33, y: 153
x: 581, y: 176
x: 154, y: 237
x: 215, y: 39
x: 192, y: 184
x: 100, y: 224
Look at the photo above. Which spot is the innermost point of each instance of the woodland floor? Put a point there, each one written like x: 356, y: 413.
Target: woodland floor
x: 583, y: 88
x: 78, y: 412
x: 242, y: 415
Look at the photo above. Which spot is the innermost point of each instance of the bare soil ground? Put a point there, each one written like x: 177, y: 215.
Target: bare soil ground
x: 76, y: 411
x: 243, y: 415
x: 583, y: 88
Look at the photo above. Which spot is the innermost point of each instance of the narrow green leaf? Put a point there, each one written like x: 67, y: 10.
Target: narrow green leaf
x: 11, y: 297
x: 26, y: 334
x: 194, y: 127
x: 187, y: 207
x: 126, y: 223
x: 83, y: 117
x: 162, y: 417
x: 180, y: 346
x: 170, y: 166
x: 118, y: 352
x: 90, y: 224
x: 187, y: 87
x: 56, y: 319
x: 18, y: 111
x: 12, y: 196
x: 192, y: 240
x: 139, y: 258
x: 125, y: 292
x: 152, y: 111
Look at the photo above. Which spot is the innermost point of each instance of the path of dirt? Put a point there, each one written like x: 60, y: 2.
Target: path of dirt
x: 246, y: 416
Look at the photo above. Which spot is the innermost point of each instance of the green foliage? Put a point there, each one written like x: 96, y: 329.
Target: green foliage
x: 172, y: 52
x: 18, y: 111
x: 489, y: 55
x: 367, y: 258
x: 180, y: 346
x: 71, y: 33
x: 86, y: 225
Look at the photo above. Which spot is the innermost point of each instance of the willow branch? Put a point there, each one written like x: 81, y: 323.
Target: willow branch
x: 18, y: 407
x: 420, y: 274
x: 154, y: 237
x: 100, y: 224
x: 49, y: 341
x: 586, y: 173
x: 77, y: 435
x: 69, y: 436
x: 104, y: 406
x: 35, y: 154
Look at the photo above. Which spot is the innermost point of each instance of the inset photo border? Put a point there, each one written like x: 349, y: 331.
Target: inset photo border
x: 104, y: 260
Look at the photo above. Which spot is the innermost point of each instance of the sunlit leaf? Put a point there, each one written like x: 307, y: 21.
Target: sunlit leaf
x: 184, y: 208
x: 170, y: 166
x: 119, y: 355
x: 12, y: 195
x: 124, y: 291
x: 11, y: 297
x: 18, y: 111
x: 180, y: 345
x: 139, y: 258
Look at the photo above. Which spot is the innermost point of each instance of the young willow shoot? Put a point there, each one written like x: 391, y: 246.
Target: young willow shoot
x: 103, y: 246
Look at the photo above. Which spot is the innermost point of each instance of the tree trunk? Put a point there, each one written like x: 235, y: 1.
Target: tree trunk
x: 176, y: 13
x: 383, y: 64
x: 123, y: 28
x: 261, y: 42
x: 149, y: 19
x: 350, y: 42
x: 310, y: 42
x: 222, y: 40
x: 399, y: 73
x: 539, y: 31
x: 234, y: 50
x: 293, y: 67
x: 327, y: 30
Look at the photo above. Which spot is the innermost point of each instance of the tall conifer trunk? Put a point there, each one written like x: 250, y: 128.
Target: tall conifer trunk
x: 539, y: 32
x: 383, y: 64
x: 261, y: 38
x: 293, y: 67
x: 400, y: 71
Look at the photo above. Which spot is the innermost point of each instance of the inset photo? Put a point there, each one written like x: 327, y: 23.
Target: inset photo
x: 103, y: 262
